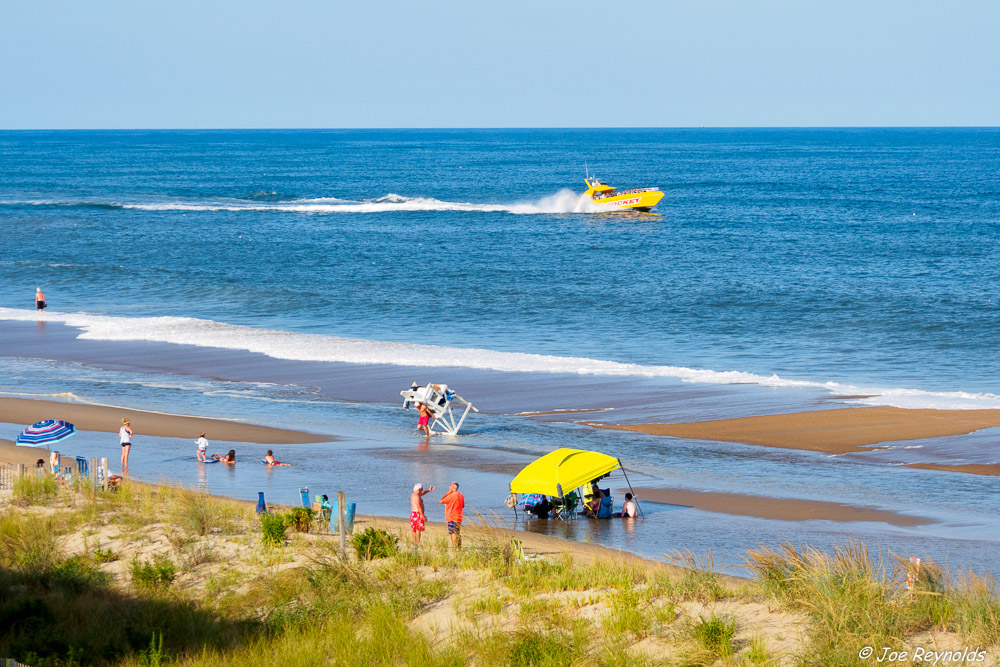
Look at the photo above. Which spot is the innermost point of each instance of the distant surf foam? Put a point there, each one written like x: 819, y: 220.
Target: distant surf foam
x: 564, y: 201
x: 320, y: 348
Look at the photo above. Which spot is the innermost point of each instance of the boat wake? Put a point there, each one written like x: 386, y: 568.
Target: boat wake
x: 321, y: 348
x: 564, y: 201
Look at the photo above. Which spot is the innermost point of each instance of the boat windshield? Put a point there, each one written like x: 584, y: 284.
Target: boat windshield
x: 616, y: 193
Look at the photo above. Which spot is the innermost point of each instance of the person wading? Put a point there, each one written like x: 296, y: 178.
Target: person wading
x: 125, y: 437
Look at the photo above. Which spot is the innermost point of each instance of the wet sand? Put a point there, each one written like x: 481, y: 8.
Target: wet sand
x: 990, y: 469
x: 835, y: 431
x: 782, y: 509
x: 108, y: 419
x: 15, y: 454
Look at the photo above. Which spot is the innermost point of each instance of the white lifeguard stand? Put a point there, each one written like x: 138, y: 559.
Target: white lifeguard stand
x: 438, y: 399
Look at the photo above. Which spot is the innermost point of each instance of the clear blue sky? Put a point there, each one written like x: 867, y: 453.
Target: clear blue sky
x: 240, y: 63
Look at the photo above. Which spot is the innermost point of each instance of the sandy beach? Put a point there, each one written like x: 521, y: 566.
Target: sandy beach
x: 11, y: 453
x: 835, y: 431
x: 108, y: 419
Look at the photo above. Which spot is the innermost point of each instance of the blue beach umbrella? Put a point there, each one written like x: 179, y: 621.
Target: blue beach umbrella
x: 46, y: 432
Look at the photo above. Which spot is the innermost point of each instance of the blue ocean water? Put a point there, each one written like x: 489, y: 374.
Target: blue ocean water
x: 862, y: 256
x: 781, y: 267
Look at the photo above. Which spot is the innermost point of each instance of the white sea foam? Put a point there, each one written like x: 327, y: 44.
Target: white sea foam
x: 564, y: 201
x: 316, y: 347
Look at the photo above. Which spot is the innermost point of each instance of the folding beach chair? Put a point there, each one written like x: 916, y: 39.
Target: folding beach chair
x: 565, y: 507
x: 321, y: 508
x: 607, y: 508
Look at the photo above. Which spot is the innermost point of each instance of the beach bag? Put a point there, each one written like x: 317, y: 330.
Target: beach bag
x: 511, y: 501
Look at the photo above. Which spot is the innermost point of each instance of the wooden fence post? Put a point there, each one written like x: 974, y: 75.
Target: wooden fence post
x: 341, y: 524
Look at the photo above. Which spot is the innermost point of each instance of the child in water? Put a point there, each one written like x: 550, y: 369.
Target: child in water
x: 269, y: 460
x: 228, y: 459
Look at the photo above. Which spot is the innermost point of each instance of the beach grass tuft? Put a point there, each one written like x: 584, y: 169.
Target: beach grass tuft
x: 715, y: 635
x: 34, y: 489
x: 27, y: 544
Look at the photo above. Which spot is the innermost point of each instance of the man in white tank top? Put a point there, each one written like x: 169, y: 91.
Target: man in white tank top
x: 125, y: 437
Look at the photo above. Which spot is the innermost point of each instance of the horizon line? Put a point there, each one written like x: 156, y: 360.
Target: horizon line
x: 511, y: 127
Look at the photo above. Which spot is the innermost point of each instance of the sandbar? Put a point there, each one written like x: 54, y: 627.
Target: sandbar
x: 783, y: 509
x: 836, y: 431
x: 108, y: 419
x: 990, y: 469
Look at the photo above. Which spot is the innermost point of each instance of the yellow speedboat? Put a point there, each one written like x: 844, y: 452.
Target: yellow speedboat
x: 614, y: 199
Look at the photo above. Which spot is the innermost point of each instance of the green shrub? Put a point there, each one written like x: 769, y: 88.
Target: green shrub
x: 715, y: 634
x: 158, y: 574
x: 76, y: 574
x: 273, y: 527
x: 105, y: 555
x: 301, y: 518
x: 154, y: 655
x: 757, y: 651
x: 374, y: 543
x: 529, y: 647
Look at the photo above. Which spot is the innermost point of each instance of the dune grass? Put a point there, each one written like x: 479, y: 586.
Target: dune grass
x: 855, y: 600
x: 33, y: 489
x: 186, y: 579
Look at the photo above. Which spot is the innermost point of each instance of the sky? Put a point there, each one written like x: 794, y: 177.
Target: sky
x: 335, y: 64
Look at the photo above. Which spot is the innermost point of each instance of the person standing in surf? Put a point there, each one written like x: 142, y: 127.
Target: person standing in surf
x: 423, y: 424
x: 39, y: 299
x: 125, y: 437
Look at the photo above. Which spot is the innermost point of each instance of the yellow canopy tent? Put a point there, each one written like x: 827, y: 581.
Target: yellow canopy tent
x: 559, y: 472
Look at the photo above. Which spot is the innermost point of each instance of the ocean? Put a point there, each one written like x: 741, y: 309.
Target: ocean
x: 302, y: 278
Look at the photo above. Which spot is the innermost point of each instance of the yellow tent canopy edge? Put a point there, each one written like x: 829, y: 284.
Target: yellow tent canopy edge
x: 559, y: 472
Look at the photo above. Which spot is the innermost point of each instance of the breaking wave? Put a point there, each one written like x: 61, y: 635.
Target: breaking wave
x: 321, y: 348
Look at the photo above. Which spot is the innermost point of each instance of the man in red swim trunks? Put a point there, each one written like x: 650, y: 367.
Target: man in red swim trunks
x: 425, y: 419
x: 417, y: 516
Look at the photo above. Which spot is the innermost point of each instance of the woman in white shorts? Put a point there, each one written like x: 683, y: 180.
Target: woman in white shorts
x: 125, y: 437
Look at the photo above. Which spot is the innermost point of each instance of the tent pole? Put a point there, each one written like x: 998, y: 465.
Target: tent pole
x: 633, y: 492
